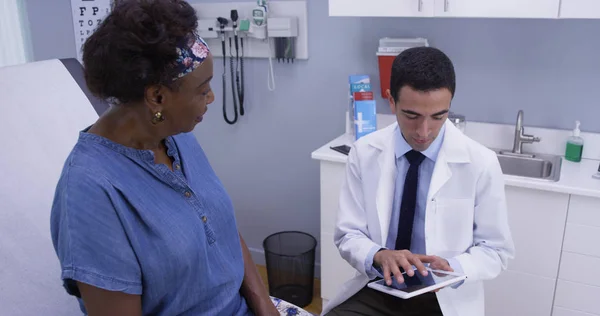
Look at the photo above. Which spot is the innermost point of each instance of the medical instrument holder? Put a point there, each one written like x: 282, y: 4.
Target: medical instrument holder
x: 276, y: 28
x: 260, y: 23
x: 268, y: 29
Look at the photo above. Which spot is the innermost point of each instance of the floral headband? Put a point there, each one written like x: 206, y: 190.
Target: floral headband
x: 191, y: 54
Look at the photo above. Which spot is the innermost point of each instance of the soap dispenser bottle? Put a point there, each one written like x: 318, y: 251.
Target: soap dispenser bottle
x: 574, y: 145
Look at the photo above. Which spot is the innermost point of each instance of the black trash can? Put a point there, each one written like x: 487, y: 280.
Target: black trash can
x: 290, y: 258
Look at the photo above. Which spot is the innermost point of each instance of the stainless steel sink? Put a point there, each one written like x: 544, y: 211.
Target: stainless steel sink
x: 530, y: 165
x: 515, y: 162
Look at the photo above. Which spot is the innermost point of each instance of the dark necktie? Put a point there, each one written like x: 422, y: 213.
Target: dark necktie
x: 409, y: 200
x: 407, y: 208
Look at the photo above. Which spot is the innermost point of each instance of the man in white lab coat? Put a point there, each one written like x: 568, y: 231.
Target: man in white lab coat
x: 420, y: 192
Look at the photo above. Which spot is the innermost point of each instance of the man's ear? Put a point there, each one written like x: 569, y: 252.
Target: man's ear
x: 391, y: 100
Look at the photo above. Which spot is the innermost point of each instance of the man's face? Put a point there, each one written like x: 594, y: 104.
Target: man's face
x: 421, y: 115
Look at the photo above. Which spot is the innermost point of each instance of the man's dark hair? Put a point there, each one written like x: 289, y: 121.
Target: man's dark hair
x: 423, y: 69
x: 135, y: 46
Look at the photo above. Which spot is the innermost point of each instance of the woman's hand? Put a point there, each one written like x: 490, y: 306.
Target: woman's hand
x: 253, y: 289
x: 265, y: 308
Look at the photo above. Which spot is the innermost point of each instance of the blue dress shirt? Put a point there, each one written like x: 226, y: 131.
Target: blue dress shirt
x: 425, y: 174
x: 123, y: 223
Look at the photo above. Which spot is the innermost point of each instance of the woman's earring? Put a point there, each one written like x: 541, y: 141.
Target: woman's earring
x: 157, y: 118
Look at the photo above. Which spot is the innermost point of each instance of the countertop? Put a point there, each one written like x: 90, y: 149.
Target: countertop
x: 575, y: 178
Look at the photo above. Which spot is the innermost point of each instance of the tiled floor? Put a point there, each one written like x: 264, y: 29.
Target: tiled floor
x: 315, y: 307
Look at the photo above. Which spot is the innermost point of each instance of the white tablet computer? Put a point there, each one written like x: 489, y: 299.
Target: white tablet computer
x: 418, y: 284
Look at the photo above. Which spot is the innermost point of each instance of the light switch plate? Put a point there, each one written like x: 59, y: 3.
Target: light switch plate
x: 255, y: 48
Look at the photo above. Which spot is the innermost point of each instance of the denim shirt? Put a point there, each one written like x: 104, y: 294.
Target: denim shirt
x: 120, y: 222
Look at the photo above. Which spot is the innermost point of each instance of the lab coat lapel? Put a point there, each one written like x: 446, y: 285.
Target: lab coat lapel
x: 441, y: 174
x: 385, y: 187
x: 453, y: 150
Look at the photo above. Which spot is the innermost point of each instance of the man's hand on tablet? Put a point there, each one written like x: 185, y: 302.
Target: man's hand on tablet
x: 390, y: 262
x: 440, y: 264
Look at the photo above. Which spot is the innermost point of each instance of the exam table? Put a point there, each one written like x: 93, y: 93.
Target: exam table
x: 43, y: 106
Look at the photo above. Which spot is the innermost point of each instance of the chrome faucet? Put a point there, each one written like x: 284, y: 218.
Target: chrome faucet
x: 520, y: 137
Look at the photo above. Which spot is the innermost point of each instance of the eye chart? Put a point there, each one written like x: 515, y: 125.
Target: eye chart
x: 87, y: 15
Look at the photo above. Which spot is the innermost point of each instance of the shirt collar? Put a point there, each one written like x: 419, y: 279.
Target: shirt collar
x: 402, y: 147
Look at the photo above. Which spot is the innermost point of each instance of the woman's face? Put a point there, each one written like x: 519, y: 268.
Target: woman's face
x: 189, y: 102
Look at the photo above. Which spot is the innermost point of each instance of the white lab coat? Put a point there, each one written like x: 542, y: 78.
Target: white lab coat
x: 465, y: 214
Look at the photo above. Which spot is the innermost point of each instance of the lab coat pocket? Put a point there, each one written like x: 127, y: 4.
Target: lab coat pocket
x: 454, y: 223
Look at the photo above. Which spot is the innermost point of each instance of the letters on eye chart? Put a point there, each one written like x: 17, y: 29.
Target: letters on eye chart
x: 87, y: 15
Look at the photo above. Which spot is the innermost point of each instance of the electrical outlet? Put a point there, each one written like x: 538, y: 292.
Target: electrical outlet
x: 289, y: 15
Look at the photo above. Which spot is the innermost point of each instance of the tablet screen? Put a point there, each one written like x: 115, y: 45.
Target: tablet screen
x: 418, y: 281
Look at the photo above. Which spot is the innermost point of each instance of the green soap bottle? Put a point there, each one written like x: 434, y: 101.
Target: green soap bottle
x: 574, y: 145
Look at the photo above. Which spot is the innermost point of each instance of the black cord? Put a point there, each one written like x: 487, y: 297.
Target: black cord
x: 240, y: 81
x: 235, y: 111
x: 223, y: 22
x: 235, y: 117
x: 237, y: 74
x: 239, y: 86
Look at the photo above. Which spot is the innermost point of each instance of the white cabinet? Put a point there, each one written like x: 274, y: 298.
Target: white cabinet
x: 334, y: 269
x: 578, y: 296
x: 533, y: 9
x: 561, y: 311
x: 448, y: 8
x: 532, y: 297
x: 578, y: 286
x: 545, y: 213
x: 497, y: 8
x: 579, y: 9
x: 381, y: 8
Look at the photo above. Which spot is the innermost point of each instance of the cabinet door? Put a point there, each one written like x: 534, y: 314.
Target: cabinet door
x: 332, y: 176
x: 497, y: 8
x: 537, y: 222
x: 335, y: 271
x: 381, y: 8
x: 578, y: 296
x: 580, y: 9
x: 531, y: 297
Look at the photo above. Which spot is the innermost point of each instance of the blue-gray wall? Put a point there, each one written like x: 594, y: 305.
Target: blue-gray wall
x: 548, y: 68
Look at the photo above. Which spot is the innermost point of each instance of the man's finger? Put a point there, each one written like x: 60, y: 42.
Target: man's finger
x: 386, y: 274
x: 443, y: 265
x: 396, y: 272
x: 403, y: 262
x: 419, y: 265
x: 427, y: 259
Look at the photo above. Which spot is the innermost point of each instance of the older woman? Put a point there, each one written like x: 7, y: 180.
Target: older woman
x: 140, y: 222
